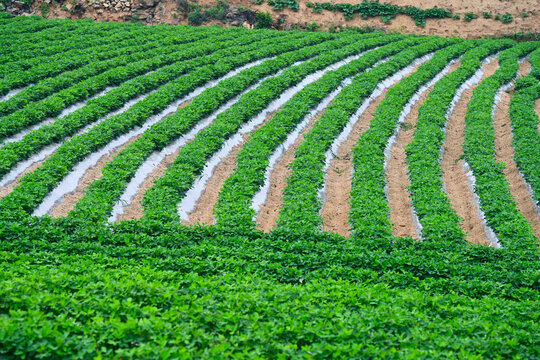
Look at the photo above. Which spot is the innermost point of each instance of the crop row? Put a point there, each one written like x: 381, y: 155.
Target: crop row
x: 116, y: 98
x: 66, y: 31
x: 192, y: 157
x: 54, y: 48
x: 28, y: 62
x: 94, y: 72
x: 122, y: 43
x: 233, y: 208
x: 160, y: 52
x: 45, y: 178
x: 502, y: 215
x: 525, y: 130
x: 53, y: 105
x: 439, y: 221
x: 307, y: 169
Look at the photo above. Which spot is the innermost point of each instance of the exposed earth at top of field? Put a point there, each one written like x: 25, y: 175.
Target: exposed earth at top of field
x: 469, y: 19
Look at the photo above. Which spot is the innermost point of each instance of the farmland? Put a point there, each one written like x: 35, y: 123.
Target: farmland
x: 201, y: 192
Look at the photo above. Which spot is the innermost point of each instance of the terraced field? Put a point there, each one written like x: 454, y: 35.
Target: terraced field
x: 362, y: 195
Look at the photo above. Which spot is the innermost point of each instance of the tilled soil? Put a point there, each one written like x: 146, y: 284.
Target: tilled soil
x: 454, y: 177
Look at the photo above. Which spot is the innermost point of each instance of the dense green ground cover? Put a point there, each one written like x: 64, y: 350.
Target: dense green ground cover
x: 80, y: 287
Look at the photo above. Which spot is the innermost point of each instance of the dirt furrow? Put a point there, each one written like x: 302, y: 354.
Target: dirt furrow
x: 454, y: 178
x: 8, y: 189
x: 203, y: 213
x: 92, y: 174
x: 269, y: 212
x: 134, y: 210
x: 397, y: 178
x: 524, y: 68
x: 336, y: 208
x: 401, y: 213
x: 504, y: 151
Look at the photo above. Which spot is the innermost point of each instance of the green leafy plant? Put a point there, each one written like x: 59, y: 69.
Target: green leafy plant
x: 469, y: 16
x: 312, y: 27
x: 507, y: 18
x: 264, y: 20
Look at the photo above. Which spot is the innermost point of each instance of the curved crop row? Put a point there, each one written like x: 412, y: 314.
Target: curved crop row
x: 123, y: 44
x: 53, y: 105
x: 67, y: 31
x: 307, y: 169
x: 45, y: 178
x: 115, y: 99
x: 164, y: 196
x: 164, y: 129
x: 161, y: 52
x: 98, y: 36
x: 502, y: 215
x: 369, y: 206
x: 526, y: 141
x: 535, y: 64
x: 119, y: 35
x: 233, y: 206
x: 439, y: 221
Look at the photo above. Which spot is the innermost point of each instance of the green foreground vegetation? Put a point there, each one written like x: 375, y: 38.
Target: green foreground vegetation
x: 82, y: 287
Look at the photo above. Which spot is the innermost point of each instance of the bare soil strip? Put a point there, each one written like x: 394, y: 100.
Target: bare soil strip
x: 92, y: 174
x: 203, y: 213
x: 134, y: 211
x: 8, y: 189
x: 269, y: 212
x: 504, y: 151
x: 524, y: 68
x: 455, y: 179
x: 397, y: 178
x: 335, y: 211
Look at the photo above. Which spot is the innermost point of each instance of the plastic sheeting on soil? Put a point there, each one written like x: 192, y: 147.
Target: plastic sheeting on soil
x: 157, y: 157
x: 50, y: 120
x: 70, y: 182
x: 188, y: 204
x: 471, y: 180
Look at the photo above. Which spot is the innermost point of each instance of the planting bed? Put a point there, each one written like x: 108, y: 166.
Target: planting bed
x: 180, y: 192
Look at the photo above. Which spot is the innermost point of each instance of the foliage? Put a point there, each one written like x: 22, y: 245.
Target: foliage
x: 80, y: 287
x: 264, y: 20
x: 470, y: 16
x: 387, y: 12
x: 282, y: 4
x: 507, y: 18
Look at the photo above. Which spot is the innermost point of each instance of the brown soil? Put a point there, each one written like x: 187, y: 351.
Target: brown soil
x: 397, y: 174
x: 455, y: 179
x: 524, y: 68
x: 335, y: 210
x: 168, y: 12
x: 504, y: 151
x: 204, y: 211
x: 134, y: 211
x: 92, y: 174
x: 8, y: 189
x: 269, y: 212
